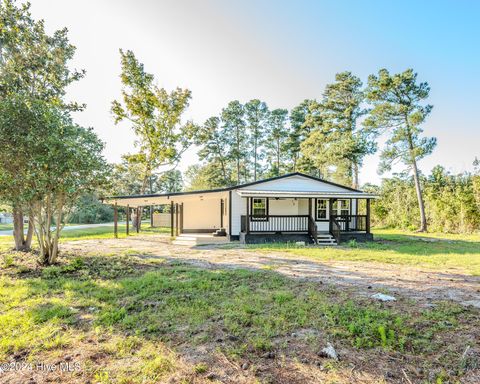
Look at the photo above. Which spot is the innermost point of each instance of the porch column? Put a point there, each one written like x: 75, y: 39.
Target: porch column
x: 115, y: 221
x: 176, y: 219
x: 171, y: 218
x: 247, y: 216
x: 127, y: 227
x: 368, y: 216
x: 330, y: 214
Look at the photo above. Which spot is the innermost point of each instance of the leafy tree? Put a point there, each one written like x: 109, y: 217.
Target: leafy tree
x: 256, y: 115
x: 203, y: 177
x: 298, y: 133
x: 170, y: 181
x: 234, y: 129
x: 214, y: 143
x: 398, y: 110
x: 277, y: 135
x: 155, y: 116
x: 33, y: 65
x: 58, y: 161
x: 337, y: 139
x: 88, y: 209
x: 476, y: 181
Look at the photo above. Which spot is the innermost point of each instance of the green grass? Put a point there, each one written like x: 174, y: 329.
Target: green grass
x: 137, y: 309
x: 6, y: 226
x: 434, y: 251
x: 105, y: 232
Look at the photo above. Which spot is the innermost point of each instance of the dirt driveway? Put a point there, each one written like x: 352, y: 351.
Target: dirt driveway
x: 363, y: 278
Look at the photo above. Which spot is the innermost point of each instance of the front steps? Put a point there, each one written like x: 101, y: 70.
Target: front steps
x: 194, y: 239
x: 326, y: 239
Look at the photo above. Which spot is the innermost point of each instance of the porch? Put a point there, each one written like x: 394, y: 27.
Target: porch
x: 319, y: 220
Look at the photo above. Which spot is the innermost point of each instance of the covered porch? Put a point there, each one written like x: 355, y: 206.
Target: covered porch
x: 318, y: 219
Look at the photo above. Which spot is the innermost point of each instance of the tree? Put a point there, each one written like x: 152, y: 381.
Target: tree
x: 215, y: 143
x: 33, y: 64
x: 170, y: 181
x: 398, y: 110
x: 256, y: 114
x: 277, y: 136
x: 476, y: 181
x: 155, y: 115
x: 235, y: 133
x: 58, y: 161
x: 343, y: 142
x: 299, y: 131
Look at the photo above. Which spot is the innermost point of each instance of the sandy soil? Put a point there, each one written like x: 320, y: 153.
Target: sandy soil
x: 419, y: 284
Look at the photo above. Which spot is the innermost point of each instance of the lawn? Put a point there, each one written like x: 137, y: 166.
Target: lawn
x: 435, y: 251
x: 130, y: 319
x: 133, y: 317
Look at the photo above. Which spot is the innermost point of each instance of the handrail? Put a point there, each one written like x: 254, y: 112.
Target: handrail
x: 335, y: 229
x: 351, y: 223
x: 312, y: 229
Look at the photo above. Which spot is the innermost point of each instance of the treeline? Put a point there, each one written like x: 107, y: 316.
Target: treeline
x: 250, y: 141
x: 452, y: 202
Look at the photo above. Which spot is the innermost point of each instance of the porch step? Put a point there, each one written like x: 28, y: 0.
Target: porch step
x: 326, y: 239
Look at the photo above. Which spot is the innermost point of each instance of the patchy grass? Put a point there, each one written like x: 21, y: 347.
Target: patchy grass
x: 434, y: 251
x: 131, y: 319
x: 106, y: 232
x: 6, y: 226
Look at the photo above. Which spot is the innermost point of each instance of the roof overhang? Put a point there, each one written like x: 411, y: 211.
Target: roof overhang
x: 306, y: 194
x: 146, y: 200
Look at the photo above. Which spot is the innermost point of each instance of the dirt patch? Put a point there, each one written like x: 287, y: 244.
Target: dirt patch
x: 415, y: 283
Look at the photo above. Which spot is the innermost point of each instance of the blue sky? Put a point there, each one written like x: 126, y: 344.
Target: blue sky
x: 281, y: 52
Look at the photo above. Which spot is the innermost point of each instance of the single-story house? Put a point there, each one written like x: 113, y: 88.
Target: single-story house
x: 292, y: 207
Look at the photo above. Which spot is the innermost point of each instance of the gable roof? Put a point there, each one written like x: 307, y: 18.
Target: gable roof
x: 235, y: 187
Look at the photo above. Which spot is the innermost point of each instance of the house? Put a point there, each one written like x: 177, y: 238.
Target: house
x: 292, y: 207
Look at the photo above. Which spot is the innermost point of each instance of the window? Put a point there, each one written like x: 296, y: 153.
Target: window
x: 259, y: 207
x: 341, y: 207
x: 322, y: 207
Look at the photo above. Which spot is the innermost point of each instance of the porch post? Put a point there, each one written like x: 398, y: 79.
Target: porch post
x: 247, y: 216
x: 115, y: 221
x: 128, y: 220
x: 176, y: 219
x: 171, y: 218
x: 310, y: 206
x: 330, y: 212
x: 368, y: 215
x: 139, y: 218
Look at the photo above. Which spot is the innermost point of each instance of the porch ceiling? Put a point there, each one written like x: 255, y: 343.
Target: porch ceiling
x: 306, y: 194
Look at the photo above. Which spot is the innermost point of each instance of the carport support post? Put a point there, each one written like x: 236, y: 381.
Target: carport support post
x: 115, y: 221
x: 171, y: 218
x: 128, y: 220
x: 176, y: 219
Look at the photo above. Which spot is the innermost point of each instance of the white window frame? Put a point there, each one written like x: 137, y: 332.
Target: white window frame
x: 317, y: 218
x: 340, y: 205
x: 259, y: 217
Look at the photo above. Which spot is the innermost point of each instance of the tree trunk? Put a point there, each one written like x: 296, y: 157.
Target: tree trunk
x: 18, y: 228
x: 278, y: 157
x: 355, y: 175
x: 22, y: 242
x: 423, y: 219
